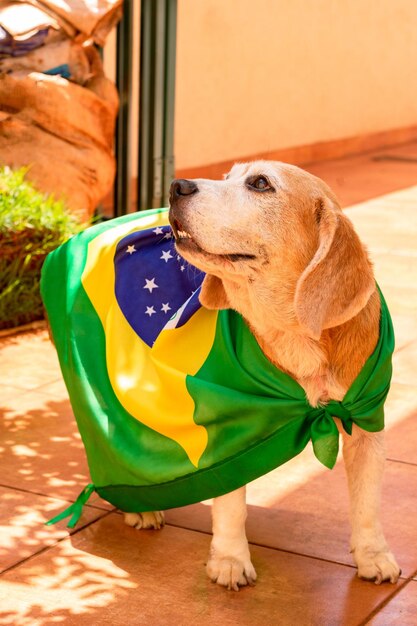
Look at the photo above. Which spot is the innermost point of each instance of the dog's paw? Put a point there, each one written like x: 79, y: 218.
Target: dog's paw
x: 150, y: 519
x: 377, y: 566
x: 230, y: 572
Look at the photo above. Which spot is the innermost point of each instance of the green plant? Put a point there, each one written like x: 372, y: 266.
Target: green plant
x: 31, y: 225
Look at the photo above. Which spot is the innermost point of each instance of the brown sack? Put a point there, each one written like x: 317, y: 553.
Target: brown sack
x: 20, y: 19
x: 63, y: 132
x: 91, y: 18
x: 63, y: 52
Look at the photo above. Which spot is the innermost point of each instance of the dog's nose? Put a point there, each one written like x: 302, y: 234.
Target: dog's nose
x: 182, y: 187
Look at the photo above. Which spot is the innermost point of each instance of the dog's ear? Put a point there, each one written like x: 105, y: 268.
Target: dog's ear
x: 339, y: 280
x: 213, y: 294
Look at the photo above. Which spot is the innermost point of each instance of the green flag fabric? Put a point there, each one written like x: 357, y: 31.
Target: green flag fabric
x: 176, y: 404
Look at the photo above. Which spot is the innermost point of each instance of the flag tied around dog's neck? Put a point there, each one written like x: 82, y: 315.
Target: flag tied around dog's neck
x: 175, y: 403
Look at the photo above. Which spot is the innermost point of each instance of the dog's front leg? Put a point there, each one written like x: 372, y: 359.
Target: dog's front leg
x: 364, y: 455
x: 229, y: 562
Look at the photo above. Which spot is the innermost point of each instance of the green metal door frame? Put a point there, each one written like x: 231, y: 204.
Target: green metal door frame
x: 122, y: 201
x: 157, y: 93
x: 156, y: 166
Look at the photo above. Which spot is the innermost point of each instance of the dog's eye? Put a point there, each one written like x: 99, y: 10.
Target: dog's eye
x: 260, y: 183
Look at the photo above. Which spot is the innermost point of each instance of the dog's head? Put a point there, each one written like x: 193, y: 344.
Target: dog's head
x: 274, y: 236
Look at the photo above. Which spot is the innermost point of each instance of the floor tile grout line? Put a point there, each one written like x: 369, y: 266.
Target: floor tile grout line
x: 402, y: 462
x: 295, y: 553
x: 261, y: 545
x: 44, y: 495
x: 204, y: 532
x: 401, y: 384
x: 22, y: 390
x: 35, y: 388
x: 186, y: 528
x: 406, y: 345
x: 387, y: 600
x: 55, y: 543
x: 12, y: 387
x: 51, y: 382
x: 107, y: 513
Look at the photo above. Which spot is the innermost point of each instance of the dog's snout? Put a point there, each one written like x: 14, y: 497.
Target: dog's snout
x: 182, y: 187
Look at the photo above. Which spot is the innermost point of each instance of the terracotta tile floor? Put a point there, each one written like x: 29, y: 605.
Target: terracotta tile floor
x: 106, y: 573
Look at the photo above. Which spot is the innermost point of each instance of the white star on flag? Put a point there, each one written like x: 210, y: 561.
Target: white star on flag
x: 158, y: 231
x: 150, y: 311
x: 182, y: 268
x: 131, y: 249
x: 165, y: 307
x: 150, y: 285
x: 166, y: 255
x: 168, y: 235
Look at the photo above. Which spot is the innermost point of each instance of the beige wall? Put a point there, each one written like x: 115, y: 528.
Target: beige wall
x: 256, y: 76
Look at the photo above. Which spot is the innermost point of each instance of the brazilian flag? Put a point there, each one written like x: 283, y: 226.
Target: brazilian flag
x: 175, y: 403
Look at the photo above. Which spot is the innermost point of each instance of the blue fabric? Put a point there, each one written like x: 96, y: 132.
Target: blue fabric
x: 60, y: 70
x: 154, y: 285
x: 18, y: 47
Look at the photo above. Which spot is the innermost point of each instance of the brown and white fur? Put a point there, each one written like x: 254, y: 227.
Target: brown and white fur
x: 277, y: 248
